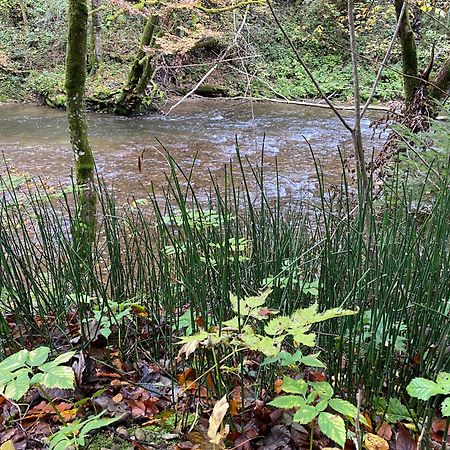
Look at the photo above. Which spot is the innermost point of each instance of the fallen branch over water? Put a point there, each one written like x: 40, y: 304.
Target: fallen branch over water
x: 305, y: 103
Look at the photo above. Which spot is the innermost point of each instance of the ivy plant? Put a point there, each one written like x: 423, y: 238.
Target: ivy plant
x: 424, y: 389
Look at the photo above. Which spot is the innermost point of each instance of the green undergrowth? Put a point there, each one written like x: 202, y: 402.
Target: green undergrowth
x: 171, y: 259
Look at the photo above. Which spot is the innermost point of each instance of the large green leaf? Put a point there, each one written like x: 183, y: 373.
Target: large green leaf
x: 322, y: 388
x: 264, y: 344
x: 294, y: 386
x: 343, y: 407
x: 305, y: 414
x: 17, y: 388
x: 59, y: 377
x: 309, y: 340
x: 312, y: 361
x: 333, y: 426
x: 443, y: 380
x: 61, y: 359
x: 446, y: 407
x: 38, y: 356
x: 422, y: 388
x: 15, y: 361
x: 288, y: 401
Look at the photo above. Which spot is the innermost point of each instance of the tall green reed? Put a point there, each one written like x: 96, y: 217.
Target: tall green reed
x: 180, y: 249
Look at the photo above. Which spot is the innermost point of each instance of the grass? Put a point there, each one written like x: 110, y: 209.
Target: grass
x: 178, y: 253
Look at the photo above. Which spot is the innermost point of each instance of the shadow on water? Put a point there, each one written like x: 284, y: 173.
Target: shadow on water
x: 34, y: 139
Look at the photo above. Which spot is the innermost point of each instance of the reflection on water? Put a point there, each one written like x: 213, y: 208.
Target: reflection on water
x: 34, y: 139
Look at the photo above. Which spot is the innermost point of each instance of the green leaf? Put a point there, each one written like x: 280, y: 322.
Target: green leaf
x: 312, y: 361
x: 294, y: 386
x: 333, y: 426
x: 443, y: 380
x: 305, y: 414
x: 15, y: 361
x: 322, y: 388
x: 422, y: 388
x: 59, y: 377
x: 61, y: 359
x: 288, y: 401
x: 263, y: 344
x: 95, y: 423
x: 17, y: 388
x: 309, y: 340
x: 106, y: 332
x: 343, y: 407
x: 322, y: 405
x: 446, y: 407
x: 38, y: 356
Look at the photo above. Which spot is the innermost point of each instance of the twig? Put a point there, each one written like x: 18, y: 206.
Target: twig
x: 383, y: 64
x: 213, y: 68
x: 307, y: 70
x: 422, y: 433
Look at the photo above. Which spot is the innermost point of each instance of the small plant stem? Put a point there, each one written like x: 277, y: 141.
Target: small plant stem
x: 311, y: 436
x: 50, y: 402
x: 422, y: 434
x: 357, y: 421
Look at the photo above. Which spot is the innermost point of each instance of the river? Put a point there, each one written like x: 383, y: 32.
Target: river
x: 34, y: 139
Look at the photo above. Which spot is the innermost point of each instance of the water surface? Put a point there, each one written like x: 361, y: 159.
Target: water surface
x: 34, y: 139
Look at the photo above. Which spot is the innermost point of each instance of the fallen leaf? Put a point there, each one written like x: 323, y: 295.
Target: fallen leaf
x: 117, y: 398
x: 278, y: 385
x: 235, y: 406
x: 217, y: 416
x: 8, y: 445
x: 187, y: 380
x: 404, y: 439
x: 374, y: 442
x: 385, y: 431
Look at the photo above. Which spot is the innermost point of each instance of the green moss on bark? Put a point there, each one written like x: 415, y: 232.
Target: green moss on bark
x: 75, y: 84
x: 142, y: 70
x: 411, y: 79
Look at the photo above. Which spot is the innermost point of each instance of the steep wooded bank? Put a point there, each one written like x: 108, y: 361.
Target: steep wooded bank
x: 130, y: 73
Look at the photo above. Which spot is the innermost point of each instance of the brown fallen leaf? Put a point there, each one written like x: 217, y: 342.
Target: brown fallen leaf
x: 117, y: 398
x: 374, y: 442
x: 385, y: 431
x: 404, y: 440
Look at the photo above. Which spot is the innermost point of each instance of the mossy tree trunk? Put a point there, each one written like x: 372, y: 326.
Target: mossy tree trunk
x: 96, y: 37
x: 84, y: 230
x: 410, y: 69
x: 439, y: 90
x: 132, y: 95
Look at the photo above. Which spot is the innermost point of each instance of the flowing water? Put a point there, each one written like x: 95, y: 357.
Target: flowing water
x: 202, y: 132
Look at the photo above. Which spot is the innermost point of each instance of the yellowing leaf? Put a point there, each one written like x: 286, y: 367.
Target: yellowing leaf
x: 374, y: 442
x: 217, y: 416
x: 8, y: 445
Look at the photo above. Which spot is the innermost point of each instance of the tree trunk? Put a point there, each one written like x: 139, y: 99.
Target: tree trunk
x: 440, y: 89
x: 24, y: 11
x: 84, y: 231
x: 96, y: 37
x: 131, y: 98
x: 411, y: 79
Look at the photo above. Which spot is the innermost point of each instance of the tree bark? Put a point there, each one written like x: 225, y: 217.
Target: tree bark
x: 131, y: 98
x: 411, y: 80
x: 84, y: 231
x: 96, y: 37
x: 440, y: 89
